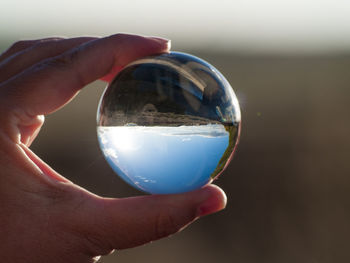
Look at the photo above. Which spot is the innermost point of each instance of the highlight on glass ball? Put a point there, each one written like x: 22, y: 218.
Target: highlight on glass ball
x: 168, y: 123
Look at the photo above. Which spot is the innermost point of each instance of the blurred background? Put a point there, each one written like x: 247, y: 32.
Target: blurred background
x: 288, y: 185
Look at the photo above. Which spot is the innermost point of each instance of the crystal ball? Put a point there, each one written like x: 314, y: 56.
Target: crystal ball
x: 168, y: 123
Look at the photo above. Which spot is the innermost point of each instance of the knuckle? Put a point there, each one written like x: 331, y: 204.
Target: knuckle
x: 118, y: 37
x: 64, y: 60
x: 21, y: 44
x: 68, y: 61
x: 166, y: 225
x: 16, y: 47
x: 39, y: 44
x: 121, y: 38
x: 96, y: 246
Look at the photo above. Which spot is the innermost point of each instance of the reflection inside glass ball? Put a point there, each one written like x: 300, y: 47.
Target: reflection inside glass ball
x: 168, y: 123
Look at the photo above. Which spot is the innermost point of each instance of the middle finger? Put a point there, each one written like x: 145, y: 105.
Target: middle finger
x: 36, y: 53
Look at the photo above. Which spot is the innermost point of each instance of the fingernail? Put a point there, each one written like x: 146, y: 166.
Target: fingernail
x: 162, y: 40
x: 215, y: 202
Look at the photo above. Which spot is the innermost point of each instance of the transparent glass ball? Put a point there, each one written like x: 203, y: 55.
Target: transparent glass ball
x: 168, y: 123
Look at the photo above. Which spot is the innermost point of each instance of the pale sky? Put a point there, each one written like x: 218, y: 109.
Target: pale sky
x: 243, y: 25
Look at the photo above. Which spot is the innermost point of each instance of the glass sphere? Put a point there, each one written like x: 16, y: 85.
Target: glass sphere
x: 168, y: 123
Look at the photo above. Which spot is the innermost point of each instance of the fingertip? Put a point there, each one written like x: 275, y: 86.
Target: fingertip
x: 215, y: 200
x: 142, y: 47
x: 146, y: 45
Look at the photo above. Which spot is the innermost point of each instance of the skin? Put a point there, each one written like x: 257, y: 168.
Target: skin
x: 44, y: 217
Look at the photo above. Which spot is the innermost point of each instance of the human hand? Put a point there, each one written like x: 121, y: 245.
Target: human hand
x: 43, y: 216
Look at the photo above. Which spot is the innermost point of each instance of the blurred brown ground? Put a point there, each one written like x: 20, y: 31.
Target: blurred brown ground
x: 288, y: 185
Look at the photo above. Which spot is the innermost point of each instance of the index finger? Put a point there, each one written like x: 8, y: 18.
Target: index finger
x: 48, y: 85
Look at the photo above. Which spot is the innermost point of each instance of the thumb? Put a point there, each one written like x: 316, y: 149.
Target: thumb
x: 129, y: 222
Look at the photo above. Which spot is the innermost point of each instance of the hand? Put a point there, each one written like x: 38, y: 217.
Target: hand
x: 43, y: 216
